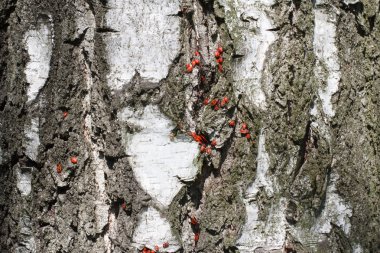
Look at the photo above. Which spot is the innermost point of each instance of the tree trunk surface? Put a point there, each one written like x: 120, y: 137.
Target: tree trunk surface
x: 189, y: 125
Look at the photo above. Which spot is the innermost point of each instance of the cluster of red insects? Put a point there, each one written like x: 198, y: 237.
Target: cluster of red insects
x: 73, y: 159
x: 195, y: 62
x: 216, y: 103
x: 156, y: 248
x: 219, y: 59
x: 244, y: 131
x: 205, y: 145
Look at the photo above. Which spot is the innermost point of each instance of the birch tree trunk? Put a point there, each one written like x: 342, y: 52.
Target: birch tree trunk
x: 97, y: 102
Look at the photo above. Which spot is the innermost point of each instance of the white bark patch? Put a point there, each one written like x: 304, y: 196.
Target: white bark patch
x: 357, y: 249
x: 255, y: 42
x: 327, y: 55
x: 336, y: 211
x: 268, y: 234
x: 147, y: 39
x: 24, y: 180
x: 262, y: 179
x: 152, y: 230
x: 39, y: 46
x: 32, y: 139
x: 157, y: 160
x: 351, y: 1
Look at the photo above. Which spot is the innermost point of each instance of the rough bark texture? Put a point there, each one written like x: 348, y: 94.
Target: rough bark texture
x: 303, y: 75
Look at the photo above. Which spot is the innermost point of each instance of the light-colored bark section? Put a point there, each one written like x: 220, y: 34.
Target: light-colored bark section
x: 262, y: 179
x: 102, y: 215
x: 267, y: 234
x: 154, y: 230
x: 144, y: 38
x: 24, y: 180
x: 157, y: 161
x: 249, y: 23
x: 336, y: 211
x: 39, y: 45
x: 27, y: 241
x: 327, y: 55
x: 32, y: 139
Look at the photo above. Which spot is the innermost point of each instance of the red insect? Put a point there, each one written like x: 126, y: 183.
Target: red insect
x: 59, y: 168
x: 124, y: 205
x: 231, y: 123
x: 65, y: 114
x: 189, y: 68
x: 219, y: 60
x: 225, y: 100
x: 244, y: 131
x: 74, y: 160
x: 165, y: 245
x: 220, y: 50
x: 214, y: 102
x: 248, y: 136
x: 156, y: 248
x: 220, y: 68
x: 198, y: 138
x: 196, y: 237
x: 206, y: 101
x: 213, y: 143
x: 146, y: 250
x: 216, y: 108
x: 203, y: 79
x: 203, y: 148
x: 208, y: 150
x: 197, y: 61
x: 217, y: 54
x: 196, y: 53
x: 193, y: 221
x: 193, y: 63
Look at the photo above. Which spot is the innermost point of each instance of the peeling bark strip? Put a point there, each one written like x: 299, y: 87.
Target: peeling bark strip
x: 39, y: 44
x: 253, y: 43
x: 98, y: 98
x: 327, y: 55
